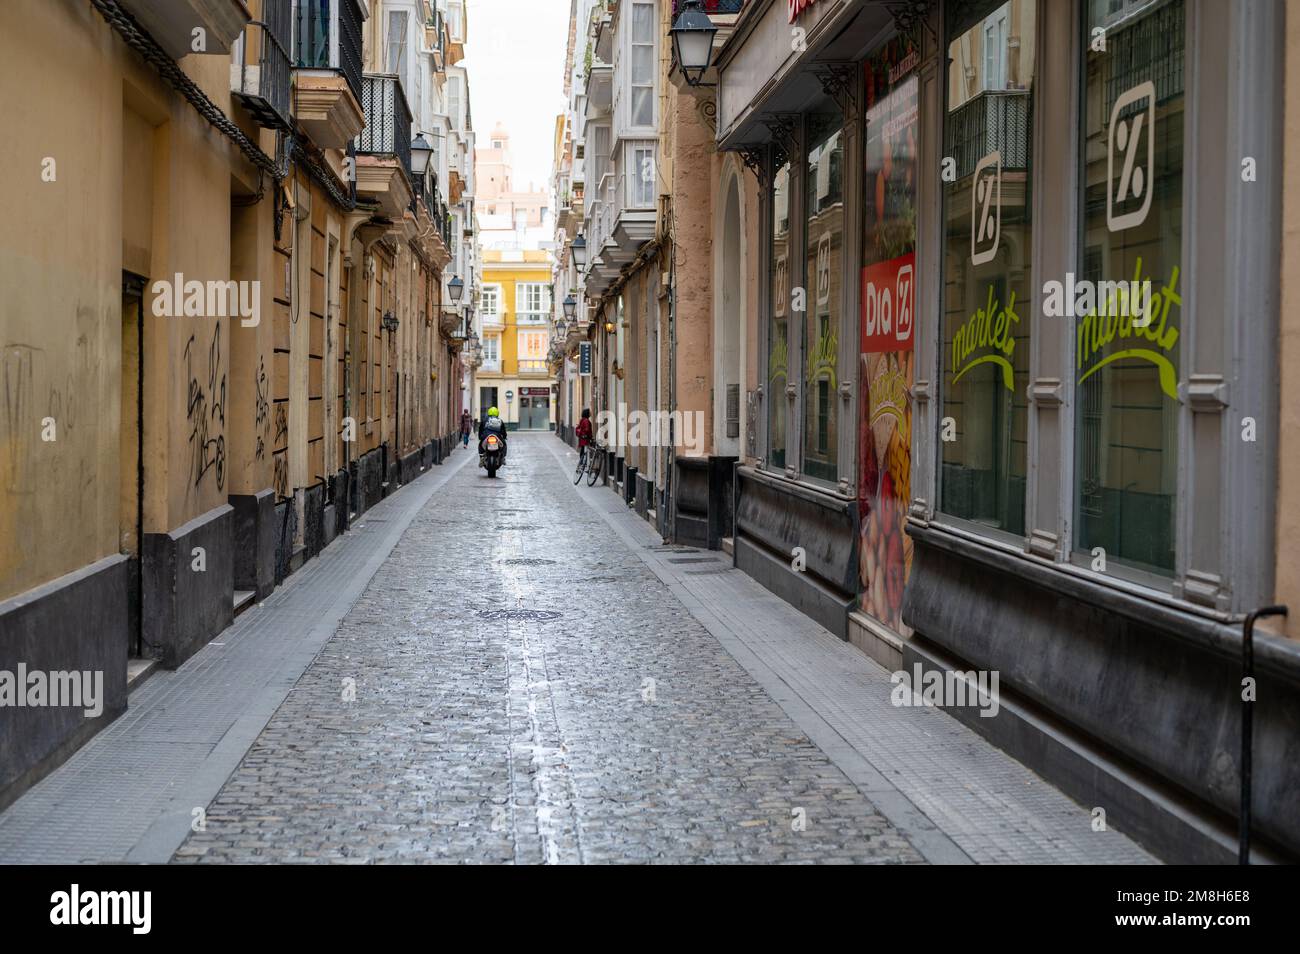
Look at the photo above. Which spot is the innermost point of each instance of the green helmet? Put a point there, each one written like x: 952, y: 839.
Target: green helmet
x: 493, y: 412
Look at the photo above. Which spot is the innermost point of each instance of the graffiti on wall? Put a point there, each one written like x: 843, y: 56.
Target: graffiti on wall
x: 205, y: 410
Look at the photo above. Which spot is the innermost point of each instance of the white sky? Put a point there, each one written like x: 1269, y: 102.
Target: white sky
x: 515, y: 58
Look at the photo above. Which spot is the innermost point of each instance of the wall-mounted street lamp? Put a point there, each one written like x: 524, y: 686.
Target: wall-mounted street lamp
x: 561, y: 329
x: 455, y: 289
x: 579, y: 250
x: 693, y: 34
x: 609, y: 327
x: 420, y: 153
x: 570, y: 307
x: 389, y: 321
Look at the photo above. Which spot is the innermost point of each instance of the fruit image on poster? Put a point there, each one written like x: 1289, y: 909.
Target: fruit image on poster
x: 887, y: 333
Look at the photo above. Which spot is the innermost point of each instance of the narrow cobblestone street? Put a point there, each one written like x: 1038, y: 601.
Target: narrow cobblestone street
x: 513, y: 707
x: 519, y: 670
x: 510, y: 706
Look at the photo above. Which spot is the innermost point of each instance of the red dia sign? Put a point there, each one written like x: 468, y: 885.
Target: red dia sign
x: 799, y: 6
x: 887, y: 304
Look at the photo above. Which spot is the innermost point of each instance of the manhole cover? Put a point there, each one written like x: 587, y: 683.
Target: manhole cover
x: 501, y: 615
x: 528, y: 562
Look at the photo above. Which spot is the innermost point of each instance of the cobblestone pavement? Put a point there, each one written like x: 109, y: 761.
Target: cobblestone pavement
x: 528, y: 690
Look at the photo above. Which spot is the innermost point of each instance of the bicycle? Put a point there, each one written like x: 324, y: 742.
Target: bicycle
x: 590, y: 459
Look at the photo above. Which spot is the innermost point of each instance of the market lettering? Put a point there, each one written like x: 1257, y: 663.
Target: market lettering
x: 990, y: 327
x: 1097, y: 331
x: 889, y: 396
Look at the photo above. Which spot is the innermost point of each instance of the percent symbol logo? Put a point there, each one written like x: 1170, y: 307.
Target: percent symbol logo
x: 1135, y: 182
x: 986, y: 209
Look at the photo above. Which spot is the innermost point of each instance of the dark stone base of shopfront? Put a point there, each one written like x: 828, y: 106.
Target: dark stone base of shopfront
x: 78, y: 622
x: 774, y: 516
x: 1127, y: 705
x: 703, y: 500
x: 254, y: 542
x: 84, y: 620
x: 183, y: 608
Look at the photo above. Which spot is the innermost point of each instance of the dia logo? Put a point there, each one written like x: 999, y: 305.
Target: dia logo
x: 986, y: 209
x: 1128, y: 198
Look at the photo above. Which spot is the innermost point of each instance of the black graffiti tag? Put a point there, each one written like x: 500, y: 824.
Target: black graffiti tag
x: 203, y: 407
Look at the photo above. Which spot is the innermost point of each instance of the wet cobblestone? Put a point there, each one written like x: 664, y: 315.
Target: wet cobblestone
x: 618, y: 730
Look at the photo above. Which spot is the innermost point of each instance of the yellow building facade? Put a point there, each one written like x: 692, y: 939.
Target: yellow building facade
x: 514, y: 327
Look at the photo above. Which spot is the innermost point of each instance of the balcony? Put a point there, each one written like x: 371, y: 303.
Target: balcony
x: 533, y: 367
x: 327, y: 58
x: 427, y: 201
x: 260, y: 68
x: 384, y: 146
x: 715, y: 7
x: 993, y: 120
x: 435, y: 39
x: 172, y: 24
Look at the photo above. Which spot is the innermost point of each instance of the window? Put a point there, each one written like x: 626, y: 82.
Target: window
x: 1126, y: 373
x: 397, y: 44
x: 987, y: 296
x: 490, y: 301
x: 778, y: 329
x: 824, y: 246
x: 491, y: 351
x: 641, y: 177
x: 453, y: 101
x: 532, y: 352
x: 995, y: 39
x: 532, y: 302
x: 643, y: 65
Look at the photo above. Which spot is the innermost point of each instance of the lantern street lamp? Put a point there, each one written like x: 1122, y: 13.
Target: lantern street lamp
x: 570, y: 307
x: 693, y: 34
x: 579, y: 249
x: 561, y: 329
x: 420, y: 153
x: 456, y: 288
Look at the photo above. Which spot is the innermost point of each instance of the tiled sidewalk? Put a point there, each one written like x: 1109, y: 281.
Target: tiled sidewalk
x: 958, y: 798
x: 130, y: 793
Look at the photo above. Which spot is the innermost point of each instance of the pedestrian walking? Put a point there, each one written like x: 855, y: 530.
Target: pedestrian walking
x: 466, y: 424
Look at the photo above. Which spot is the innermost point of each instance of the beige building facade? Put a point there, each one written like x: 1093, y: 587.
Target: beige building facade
x: 224, y: 333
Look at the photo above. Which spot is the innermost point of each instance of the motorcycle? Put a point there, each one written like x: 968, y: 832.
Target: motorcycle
x: 493, y: 455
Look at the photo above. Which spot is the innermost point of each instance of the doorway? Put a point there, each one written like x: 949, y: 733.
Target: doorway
x: 131, y: 457
x: 535, y: 409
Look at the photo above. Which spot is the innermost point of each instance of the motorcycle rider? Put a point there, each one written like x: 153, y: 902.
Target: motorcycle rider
x: 493, y: 425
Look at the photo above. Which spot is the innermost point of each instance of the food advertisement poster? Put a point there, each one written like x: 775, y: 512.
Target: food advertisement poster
x: 887, y: 331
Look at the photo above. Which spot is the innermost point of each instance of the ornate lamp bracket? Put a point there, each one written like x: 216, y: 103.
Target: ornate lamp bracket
x: 785, y: 133
x: 908, y: 15
x: 753, y: 157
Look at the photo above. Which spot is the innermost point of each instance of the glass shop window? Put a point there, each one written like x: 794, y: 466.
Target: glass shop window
x: 824, y: 247
x: 778, y: 329
x: 1127, y: 328
x: 987, y: 274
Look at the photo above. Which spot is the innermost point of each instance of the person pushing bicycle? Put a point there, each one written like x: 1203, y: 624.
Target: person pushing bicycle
x: 584, y: 431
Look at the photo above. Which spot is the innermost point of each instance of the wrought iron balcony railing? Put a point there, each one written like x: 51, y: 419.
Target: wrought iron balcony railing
x: 260, y: 67
x: 994, y: 120
x: 718, y: 7
x: 388, y: 119
x: 329, y: 37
